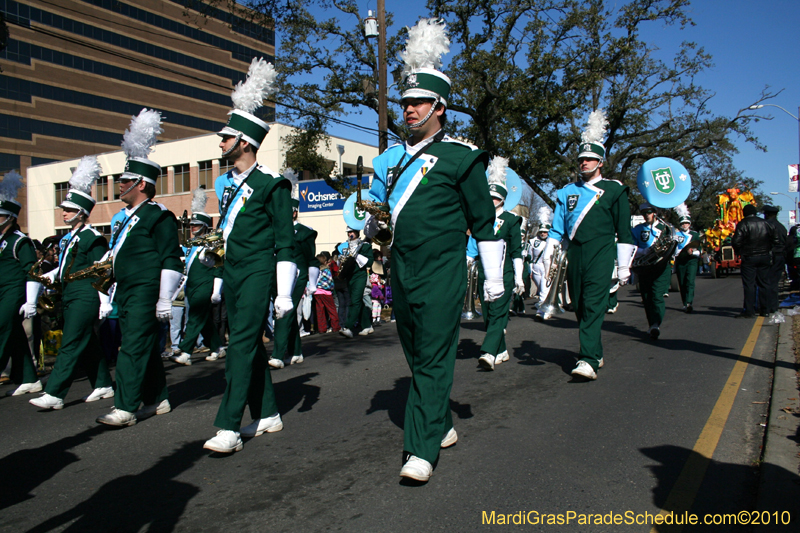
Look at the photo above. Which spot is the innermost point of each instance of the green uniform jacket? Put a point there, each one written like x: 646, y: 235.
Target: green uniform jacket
x: 612, y: 221
x: 684, y: 256
x: 85, y: 248
x: 304, y: 252
x: 146, y: 245
x: 507, y: 227
x: 201, y: 277
x: 17, y: 256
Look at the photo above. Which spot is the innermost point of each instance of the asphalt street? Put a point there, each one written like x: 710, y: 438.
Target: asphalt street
x: 530, y: 437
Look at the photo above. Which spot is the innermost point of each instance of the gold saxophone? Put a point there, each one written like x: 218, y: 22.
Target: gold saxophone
x: 102, y: 270
x: 213, y: 245
x: 52, y: 293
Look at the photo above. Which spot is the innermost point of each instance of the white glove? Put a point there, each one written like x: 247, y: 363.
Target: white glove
x: 313, y: 277
x: 625, y: 253
x: 519, y: 284
x: 286, y: 274
x: 547, y: 253
x: 696, y: 252
x: 28, y: 309
x: 170, y: 281
x: 361, y: 260
x: 216, y: 295
x: 470, y: 260
x: 372, y: 226
x: 51, y: 275
x: 493, y: 255
x: 105, y: 306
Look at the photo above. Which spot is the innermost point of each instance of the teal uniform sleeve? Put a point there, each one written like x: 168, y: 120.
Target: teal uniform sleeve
x: 279, y: 207
x: 515, y: 243
x: 622, y: 217
x: 474, y: 193
x: 165, y: 237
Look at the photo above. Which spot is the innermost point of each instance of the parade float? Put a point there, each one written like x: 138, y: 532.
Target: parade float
x: 718, y: 238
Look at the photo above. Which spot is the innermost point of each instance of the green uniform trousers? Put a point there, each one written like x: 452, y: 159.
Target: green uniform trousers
x: 495, y: 317
x: 140, y: 372
x: 653, y: 285
x: 287, y: 330
x: 247, y: 287
x: 589, y: 270
x: 358, y: 312
x: 200, y: 320
x: 80, y: 346
x: 612, y: 300
x: 687, y: 272
x: 13, y: 341
x: 428, y: 285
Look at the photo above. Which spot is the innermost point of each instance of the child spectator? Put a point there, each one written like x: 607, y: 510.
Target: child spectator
x: 378, y: 298
x: 323, y: 298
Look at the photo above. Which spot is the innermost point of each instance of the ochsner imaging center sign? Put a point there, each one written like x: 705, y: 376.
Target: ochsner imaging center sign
x: 318, y: 196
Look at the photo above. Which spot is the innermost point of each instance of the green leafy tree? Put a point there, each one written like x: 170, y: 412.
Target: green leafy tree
x: 303, y: 149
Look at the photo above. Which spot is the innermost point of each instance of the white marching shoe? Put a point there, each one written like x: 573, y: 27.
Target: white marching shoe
x: 296, y: 359
x: 182, y: 359
x: 226, y: 441
x: 346, y: 333
x: 417, y: 469
x: 272, y: 424
x: 26, y: 388
x: 274, y: 362
x: 100, y: 393
x: 502, y: 356
x: 213, y: 356
x: 365, y: 332
x: 585, y: 370
x: 45, y: 401
x: 118, y: 418
x: 487, y: 361
x: 450, y: 439
x: 156, y: 409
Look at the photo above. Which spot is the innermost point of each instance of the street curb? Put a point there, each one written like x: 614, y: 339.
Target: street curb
x: 779, y: 485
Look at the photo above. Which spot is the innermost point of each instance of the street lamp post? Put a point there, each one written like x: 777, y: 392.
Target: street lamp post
x: 790, y: 199
x: 798, y: 131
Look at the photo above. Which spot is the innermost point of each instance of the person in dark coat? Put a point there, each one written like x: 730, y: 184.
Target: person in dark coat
x: 778, y: 256
x: 754, y: 241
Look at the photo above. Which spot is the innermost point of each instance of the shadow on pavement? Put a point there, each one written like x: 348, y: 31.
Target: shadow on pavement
x: 27, y: 469
x: 151, y: 500
x: 292, y: 391
x: 394, y: 403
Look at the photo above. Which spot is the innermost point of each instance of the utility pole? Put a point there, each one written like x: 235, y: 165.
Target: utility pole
x: 383, y: 117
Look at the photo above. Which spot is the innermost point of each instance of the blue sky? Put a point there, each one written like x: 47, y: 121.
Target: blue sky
x: 753, y: 44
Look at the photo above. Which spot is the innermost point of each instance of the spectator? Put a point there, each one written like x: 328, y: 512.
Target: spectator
x: 754, y: 240
x: 324, y: 298
x: 377, y: 296
x: 778, y: 257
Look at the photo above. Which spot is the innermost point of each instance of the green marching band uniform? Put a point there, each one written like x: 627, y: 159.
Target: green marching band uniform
x: 287, y: 328
x: 203, y: 289
x: 17, y: 256
x: 589, y: 215
x: 147, y: 266
x: 495, y: 314
x: 518, y: 304
x: 687, y: 261
x: 654, y: 279
x: 80, y: 344
x: 256, y: 222
x: 436, y: 190
x: 357, y: 312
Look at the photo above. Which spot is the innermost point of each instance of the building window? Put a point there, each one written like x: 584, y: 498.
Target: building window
x: 104, y: 229
x: 162, y: 182
x: 117, y: 177
x: 61, y: 232
x: 102, y: 189
x: 181, y: 178
x: 61, y: 192
x: 205, y: 169
x: 224, y: 166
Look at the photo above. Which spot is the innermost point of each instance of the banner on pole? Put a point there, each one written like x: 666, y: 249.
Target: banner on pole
x: 793, y: 176
x: 792, y: 217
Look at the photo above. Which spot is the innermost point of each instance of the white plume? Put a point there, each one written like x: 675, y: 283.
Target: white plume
x: 293, y: 178
x: 427, y: 43
x: 545, y: 215
x: 249, y: 95
x: 497, y: 170
x: 595, y: 131
x: 682, y: 210
x: 11, y: 183
x: 138, y: 141
x: 199, y: 200
x: 87, y: 171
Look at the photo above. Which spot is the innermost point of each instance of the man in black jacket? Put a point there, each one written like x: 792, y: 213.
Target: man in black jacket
x: 754, y: 241
x: 778, y: 256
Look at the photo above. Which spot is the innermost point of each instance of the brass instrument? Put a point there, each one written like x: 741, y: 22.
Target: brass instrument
x: 102, y: 270
x: 468, y: 312
x: 661, y: 250
x: 52, y: 289
x: 184, y: 225
x: 555, y: 279
x: 213, y: 252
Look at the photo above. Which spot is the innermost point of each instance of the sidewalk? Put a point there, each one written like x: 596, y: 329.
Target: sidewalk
x: 779, y: 486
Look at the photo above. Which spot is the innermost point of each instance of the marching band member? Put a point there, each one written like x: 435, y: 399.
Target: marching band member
x: 653, y: 280
x: 80, y: 248
x: 436, y: 189
x: 589, y: 214
x: 686, y: 259
x: 357, y: 312
x: 147, y: 266
x: 518, y: 299
x: 287, y: 329
x: 506, y: 227
x: 18, y: 294
x: 256, y: 220
x: 538, y: 245
x: 203, y: 289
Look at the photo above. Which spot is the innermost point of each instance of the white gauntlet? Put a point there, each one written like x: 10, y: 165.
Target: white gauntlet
x: 313, y: 277
x: 519, y: 284
x: 286, y: 275
x: 170, y: 281
x: 216, y: 294
x: 493, y: 255
x: 28, y: 309
x: 625, y: 253
x: 105, y: 305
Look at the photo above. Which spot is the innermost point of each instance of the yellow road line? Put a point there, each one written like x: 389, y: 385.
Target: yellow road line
x: 682, y: 495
